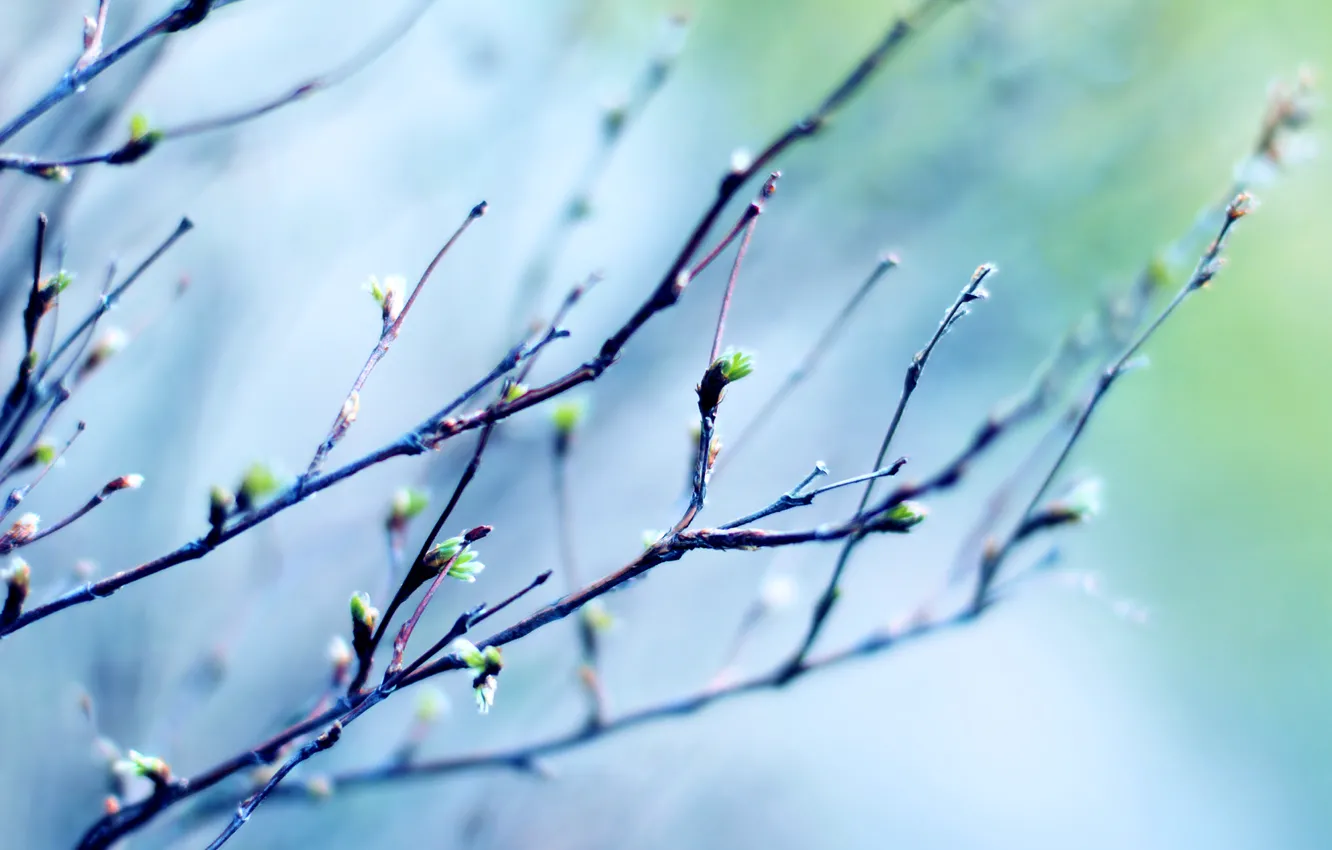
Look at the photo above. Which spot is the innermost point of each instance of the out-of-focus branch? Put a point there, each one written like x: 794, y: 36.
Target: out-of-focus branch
x: 144, y: 140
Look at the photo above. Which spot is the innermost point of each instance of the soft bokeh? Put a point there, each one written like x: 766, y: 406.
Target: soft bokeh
x: 1166, y: 689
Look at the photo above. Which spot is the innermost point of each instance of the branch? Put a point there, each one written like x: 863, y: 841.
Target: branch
x: 1207, y: 267
x: 140, y: 145
x: 973, y: 291
x: 442, y: 427
x: 186, y: 15
x: 394, y: 316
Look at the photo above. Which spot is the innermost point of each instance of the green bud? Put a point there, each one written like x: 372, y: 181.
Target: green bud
x: 567, y: 416
x: 903, y: 516
x: 515, y: 392
x: 430, y: 705
x: 597, y: 618
x: 470, y: 655
x: 138, y: 126
x: 408, y: 503
x: 257, y: 483
x: 462, y: 564
x: 362, y: 611
x: 735, y: 364
x: 138, y: 764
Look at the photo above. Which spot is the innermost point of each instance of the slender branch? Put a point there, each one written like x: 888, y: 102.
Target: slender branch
x: 109, y: 299
x: 799, y: 497
x: 1207, y: 267
x: 973, y: 291
x: 124, y: 482
x: 393, y: 321
x: 182, y: 17
x: 616, y: 121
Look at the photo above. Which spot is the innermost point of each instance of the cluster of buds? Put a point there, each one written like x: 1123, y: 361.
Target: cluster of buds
x: 452, y: 555
x: 486, y: 665
x: 17, y: 581
x: 20, y: 533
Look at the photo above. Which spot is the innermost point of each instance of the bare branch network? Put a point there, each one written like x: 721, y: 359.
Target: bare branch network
x: 53, y: 368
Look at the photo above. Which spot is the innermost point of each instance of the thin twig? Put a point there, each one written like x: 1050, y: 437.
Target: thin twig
x: 392, y: 326
x: 973, y: 291
x: 1207, y: 267
x: 136, y: 148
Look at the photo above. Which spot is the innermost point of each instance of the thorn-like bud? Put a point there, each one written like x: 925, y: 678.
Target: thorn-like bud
x: 17, y: 581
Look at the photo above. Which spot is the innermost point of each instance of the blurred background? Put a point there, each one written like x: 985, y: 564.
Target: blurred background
x: 1165, y: 688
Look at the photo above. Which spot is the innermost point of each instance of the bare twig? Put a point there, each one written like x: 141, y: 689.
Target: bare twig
x: 1207, y: 267
x: 394, y: 316
x: 973, y: 291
